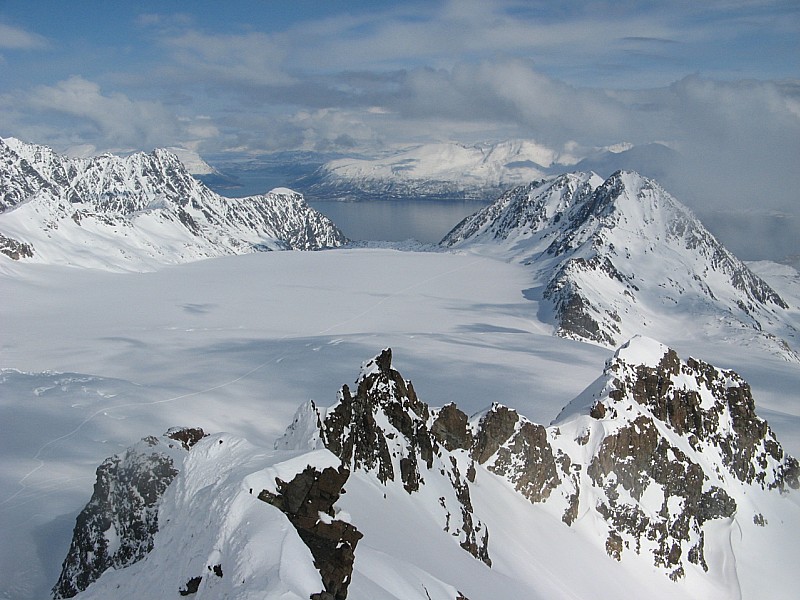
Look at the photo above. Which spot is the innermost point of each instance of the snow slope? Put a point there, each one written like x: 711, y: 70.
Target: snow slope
x: 95, y: 360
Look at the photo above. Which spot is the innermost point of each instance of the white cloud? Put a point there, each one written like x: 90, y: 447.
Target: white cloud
x: 14, y: 38
x: 251, y: 59
x: 76, y: 112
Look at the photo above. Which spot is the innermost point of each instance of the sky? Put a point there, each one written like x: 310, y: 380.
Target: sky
x: 718, y: 81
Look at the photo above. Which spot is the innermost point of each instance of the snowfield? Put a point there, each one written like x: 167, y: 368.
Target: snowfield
x: 93, y: 361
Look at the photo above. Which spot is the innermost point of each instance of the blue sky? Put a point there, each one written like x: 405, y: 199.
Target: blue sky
x: 718, y: 80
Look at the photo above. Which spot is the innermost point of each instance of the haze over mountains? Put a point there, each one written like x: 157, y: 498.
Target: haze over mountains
x: 658, y: 477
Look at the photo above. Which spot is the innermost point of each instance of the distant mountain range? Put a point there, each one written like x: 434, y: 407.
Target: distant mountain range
x: 656, y: 466
x: 138, y: 211
x: 457, y: 171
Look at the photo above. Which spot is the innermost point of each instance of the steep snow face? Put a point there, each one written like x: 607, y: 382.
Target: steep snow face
x: 659, y: 479
x: 138, y: 212
x: 193, y: 162
x: 437, y: 170
x: 621, y: 257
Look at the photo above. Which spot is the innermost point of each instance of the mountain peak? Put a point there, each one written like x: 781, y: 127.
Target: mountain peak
x: 621, y: 257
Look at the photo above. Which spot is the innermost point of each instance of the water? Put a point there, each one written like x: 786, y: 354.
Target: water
x: 397, y: 220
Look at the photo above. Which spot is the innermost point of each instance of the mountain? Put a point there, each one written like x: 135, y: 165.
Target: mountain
x: 659, y: 479
x: 442, y: 170
x: 138, y: 211
x: 619, y: 257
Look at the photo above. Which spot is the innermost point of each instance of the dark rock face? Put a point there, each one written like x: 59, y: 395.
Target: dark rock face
x: 450, y: 428
x: 332, y: 542
x: 385, y: 429
x: 633, y: 459
x: 729, y: 423
x: 187, y: 436
x: 117, y: 526
x: 15, y: 249
x: 712, y: 410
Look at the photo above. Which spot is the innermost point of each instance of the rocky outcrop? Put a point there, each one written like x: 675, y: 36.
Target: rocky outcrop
x: 306, y: 500
x: 15, y: 249
x: 385, y: 430
x: 117, y: 526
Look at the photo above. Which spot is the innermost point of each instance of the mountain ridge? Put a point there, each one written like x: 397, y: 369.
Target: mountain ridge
x: 612, y: 258
x: 654, y: 465
x: 139, y: 211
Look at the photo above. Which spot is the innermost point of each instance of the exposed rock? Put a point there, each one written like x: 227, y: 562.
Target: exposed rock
x: 191, y: 586
x: 450, y: 428
x: 15, y: 249
x: 332, y: 542
x: 117, y: 526
x: 386, y: 430
x: 521, y: 454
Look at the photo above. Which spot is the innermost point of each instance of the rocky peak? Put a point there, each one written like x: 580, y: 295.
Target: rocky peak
x: 713, y: 408
x: 386, y: 431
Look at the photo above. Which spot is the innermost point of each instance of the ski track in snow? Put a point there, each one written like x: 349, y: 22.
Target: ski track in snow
x: 41, y: 462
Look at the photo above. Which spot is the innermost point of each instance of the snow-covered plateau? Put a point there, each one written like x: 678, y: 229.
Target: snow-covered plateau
x: 518, y: 464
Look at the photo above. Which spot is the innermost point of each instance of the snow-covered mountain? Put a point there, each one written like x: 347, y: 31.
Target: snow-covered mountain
x: 442, y: 170
x: 138, y: 211
x: 658, y: 480
x: 616, y: 258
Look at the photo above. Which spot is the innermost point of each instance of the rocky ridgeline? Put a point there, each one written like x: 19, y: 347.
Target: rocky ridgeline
x: 385, y: 430
x: 650, y: 455
x: 149, y: 203
x: 613, y: 258
x: 653, y: 455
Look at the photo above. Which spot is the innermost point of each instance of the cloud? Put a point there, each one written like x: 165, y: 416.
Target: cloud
x: 76, y: 112
x: 14, y: 38
x: 250, y: 59
x: 114, y: 117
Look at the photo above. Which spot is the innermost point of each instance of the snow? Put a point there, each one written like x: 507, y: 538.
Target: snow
x: 94, y: 360
x: 193, y: 162
x: 642, y: 350
x: 282, y: 191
